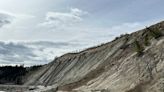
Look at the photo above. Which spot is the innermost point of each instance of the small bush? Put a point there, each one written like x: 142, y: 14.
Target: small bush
x: 146, y: 40
x: 122, y: 35
x: 155, y: 33
x: 138, y: 48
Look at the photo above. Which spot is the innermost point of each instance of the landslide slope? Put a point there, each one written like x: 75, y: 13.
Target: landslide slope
x: 130, y: 63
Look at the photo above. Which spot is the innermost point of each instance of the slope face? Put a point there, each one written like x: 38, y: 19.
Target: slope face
x: 111, y: 67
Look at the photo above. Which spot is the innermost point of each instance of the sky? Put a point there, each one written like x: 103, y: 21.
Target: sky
x: 77, y: 24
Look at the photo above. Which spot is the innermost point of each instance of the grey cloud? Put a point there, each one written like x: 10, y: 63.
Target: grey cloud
x: 32, y: 53
x: 50, y: 44
x: 5, y: 19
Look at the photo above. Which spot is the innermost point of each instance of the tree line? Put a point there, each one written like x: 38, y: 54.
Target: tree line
x: 14, y: 74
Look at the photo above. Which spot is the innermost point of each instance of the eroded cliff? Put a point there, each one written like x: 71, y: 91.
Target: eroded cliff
x: 131, y: 63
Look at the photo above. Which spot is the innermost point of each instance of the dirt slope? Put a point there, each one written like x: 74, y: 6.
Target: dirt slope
x: 117, y: 66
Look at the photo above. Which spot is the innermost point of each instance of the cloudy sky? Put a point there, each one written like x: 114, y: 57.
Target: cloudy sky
x: 43, y: 29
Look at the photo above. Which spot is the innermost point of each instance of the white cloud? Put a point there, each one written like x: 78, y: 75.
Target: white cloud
x: 60, y: 20
x: 16, y: 20
x: 98, y: 35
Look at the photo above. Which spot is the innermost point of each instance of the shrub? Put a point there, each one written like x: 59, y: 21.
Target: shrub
x: 155, y: 33
x: 122, y: 35
x: 146, y: 40
x: 125, y: 45
x: 138, y: 48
